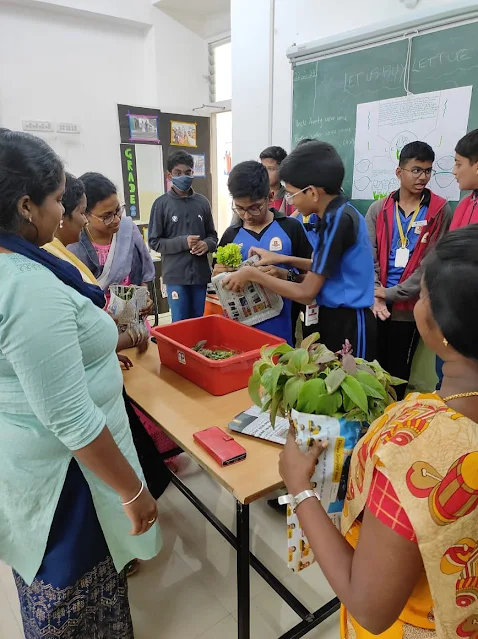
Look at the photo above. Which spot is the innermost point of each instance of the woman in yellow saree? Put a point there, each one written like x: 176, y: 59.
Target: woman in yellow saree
x: 407, y: 565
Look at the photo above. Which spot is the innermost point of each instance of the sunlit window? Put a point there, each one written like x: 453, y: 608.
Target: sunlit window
x: 220, y: 71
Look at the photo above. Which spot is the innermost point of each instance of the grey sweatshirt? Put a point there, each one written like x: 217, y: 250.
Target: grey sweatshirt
x: 409, y: 288
x: 172, y: 219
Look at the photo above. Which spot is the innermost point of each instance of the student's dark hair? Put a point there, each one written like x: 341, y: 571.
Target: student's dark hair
x: 314, y: 164
x: 249, y: 179
x: 180, y: 157
x: 276, y: 153
x: 420, y: 151
x: 74, y: 190
x: 451, y: 279
x: 97, y: 188
x: 304, y: 141
x: 468, y: 146
x: 28, y: 166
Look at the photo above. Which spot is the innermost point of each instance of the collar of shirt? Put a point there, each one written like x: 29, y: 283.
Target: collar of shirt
x: 426, y: 197
x: 334, y: 205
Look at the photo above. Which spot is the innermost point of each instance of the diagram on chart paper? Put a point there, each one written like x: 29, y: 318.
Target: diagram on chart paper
x: 384, y: 127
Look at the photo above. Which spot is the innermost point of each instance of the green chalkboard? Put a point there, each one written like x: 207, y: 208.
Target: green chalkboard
x: 326, y: 92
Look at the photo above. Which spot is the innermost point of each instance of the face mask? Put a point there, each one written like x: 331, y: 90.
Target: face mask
x: 183, y: 182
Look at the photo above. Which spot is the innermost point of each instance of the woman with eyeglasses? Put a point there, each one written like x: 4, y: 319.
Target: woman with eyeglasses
x: 402, y: 228
x: 111, y: 245
x: 74, y: 507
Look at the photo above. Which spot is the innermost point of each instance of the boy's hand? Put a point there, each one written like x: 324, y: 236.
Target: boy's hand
x: 380, y: 292
x: 193, y: 240
x: 222, y: 268
x: 201, y: 248
x: 268, y: 258
x: 236, y: 282
x: 380, y: 309
x: 275, y: 271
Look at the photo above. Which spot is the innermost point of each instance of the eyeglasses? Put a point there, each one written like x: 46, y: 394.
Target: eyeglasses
x: 109, y: 218
x: 290, y: 196
x: 254, y: 210
x: 417, y: 172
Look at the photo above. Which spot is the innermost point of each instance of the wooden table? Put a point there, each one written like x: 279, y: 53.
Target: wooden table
x: 181, y: 409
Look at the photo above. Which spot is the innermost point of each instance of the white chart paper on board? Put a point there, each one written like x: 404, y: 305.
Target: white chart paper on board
x: 384, y: 127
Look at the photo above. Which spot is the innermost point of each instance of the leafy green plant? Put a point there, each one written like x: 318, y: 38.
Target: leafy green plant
x: 312, y: 379
x: 229, y: 255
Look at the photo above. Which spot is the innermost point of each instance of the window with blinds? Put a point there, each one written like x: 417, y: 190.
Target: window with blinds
x: 220, y: 85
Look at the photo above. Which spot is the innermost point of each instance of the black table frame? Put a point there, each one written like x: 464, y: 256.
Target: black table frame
x: 245, y: 559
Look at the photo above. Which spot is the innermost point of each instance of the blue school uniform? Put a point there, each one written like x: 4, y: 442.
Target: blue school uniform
x: 394, y: 273
x: 343, y: 256
x: 284, y: 235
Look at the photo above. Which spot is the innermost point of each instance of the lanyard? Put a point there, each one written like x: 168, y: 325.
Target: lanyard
x: 404, y: 238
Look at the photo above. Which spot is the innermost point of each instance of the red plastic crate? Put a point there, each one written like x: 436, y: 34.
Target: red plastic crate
x: 175, y: 343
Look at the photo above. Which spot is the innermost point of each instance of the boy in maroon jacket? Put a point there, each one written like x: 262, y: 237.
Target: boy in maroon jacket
x: 466, y: 173
x: 402, y: 228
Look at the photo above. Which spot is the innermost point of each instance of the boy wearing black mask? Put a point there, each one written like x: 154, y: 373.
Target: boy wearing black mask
x: 181, y: 228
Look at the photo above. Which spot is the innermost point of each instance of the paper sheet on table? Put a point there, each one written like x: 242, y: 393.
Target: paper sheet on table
x: 384, y: 127
x: 255, y: 423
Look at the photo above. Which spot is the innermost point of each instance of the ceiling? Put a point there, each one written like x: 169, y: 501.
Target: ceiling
x: 207, y: 18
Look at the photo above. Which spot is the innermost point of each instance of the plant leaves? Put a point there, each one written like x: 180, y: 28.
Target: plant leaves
x: 274, y: 407
x: 334, y: 379
x: 310, y: 369
x: 292, y: 390
x: 396, y: 381
x: 352, y: 387
x: 299, y: 358
x: 348, y: 403
x: 308, y: 395
x: 254, y: 387
x: 308, y: 341
x: 322, y: 355
x: 328, y: 404
x: 276, y: 373
x: 349, y: 364
x: 366, y: 379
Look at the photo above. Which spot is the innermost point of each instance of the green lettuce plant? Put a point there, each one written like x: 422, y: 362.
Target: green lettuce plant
x: 229, y: 255
x: 312, y: 379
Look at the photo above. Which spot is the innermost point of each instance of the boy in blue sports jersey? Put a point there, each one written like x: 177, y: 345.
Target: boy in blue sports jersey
x: 341, y: 275
x: 260, y: 225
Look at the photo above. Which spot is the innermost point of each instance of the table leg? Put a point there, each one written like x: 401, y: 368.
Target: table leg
x: 243, y: 579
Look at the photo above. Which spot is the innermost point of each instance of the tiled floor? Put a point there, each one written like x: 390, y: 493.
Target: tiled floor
x: 188, y: 591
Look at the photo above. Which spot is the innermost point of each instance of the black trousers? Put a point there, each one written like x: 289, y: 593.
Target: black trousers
x: 357, y: 325
x: 397, y: 343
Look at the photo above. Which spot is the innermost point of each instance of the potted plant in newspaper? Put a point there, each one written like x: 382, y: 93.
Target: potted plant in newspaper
x: 326, y: 395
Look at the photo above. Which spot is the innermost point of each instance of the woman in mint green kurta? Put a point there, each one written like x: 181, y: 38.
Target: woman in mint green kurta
x: 67, y: 460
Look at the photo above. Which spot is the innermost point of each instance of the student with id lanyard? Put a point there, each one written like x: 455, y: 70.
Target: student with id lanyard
x: 402, y: 228
x: 340, y: 275
x: 261, y: 225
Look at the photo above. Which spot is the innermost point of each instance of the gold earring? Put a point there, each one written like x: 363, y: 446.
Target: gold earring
x: 445, y: 341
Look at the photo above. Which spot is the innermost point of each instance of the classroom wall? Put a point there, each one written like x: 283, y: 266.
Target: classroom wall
x: 260, y: 119
x: 70, y: 67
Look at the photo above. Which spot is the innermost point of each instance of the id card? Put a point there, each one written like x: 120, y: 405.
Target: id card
x: 401, y: 257
x: 311, y: 314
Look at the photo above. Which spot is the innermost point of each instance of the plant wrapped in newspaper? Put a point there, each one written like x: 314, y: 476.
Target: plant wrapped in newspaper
x: 253, y: 305
x: 326, y: 395
x: 126, y: 305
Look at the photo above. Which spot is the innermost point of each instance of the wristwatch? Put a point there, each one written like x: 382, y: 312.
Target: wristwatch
x: 298, y: 499
x: 291, y: 275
